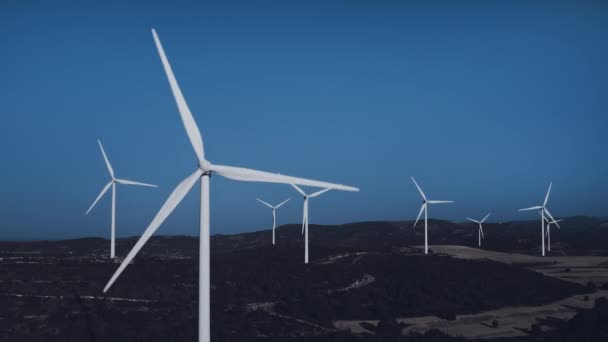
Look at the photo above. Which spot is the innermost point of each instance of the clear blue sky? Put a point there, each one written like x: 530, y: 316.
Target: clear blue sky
x: 484, y: 102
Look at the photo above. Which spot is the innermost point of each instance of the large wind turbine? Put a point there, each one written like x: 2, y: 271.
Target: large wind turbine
x: 480, y: 232
x: 203, y: 172
x: 543, y: 211
x: 274, y: 212
x: 305, y: 216
x: 424, y: 207
x: 548, y: 234
x: 112, y: 184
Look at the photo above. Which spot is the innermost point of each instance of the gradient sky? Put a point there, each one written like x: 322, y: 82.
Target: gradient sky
x: 483, y: 102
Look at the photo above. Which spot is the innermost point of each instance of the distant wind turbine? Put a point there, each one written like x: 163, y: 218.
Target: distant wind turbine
x: 543, y: 211
x: 424, y: 208
x: 203, y: 172
x: 305, y: 216
x: 274, y: 212
x: 112, y: 184
x: 548, y: 234
x: 480, y: 230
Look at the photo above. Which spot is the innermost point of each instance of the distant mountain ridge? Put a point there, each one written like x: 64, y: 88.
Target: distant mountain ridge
x: 579, y: 235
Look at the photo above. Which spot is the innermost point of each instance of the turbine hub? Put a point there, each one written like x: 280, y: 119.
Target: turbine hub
x: 205, y: 165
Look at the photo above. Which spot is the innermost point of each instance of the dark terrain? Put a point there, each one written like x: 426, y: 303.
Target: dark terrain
x: 52, y: 291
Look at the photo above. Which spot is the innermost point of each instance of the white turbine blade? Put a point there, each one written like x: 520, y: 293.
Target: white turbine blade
x: 439, y: 202
x: 547, y: 196
x: 268, y: 205
x: 485, y: 218
x: 191, y: 128
x: 298, y: 189
x: 470, y: 219
x: 172, y: 201
x: 532, y: 208
x: 420, y: 190
x: 249, y: 175
x: 419, y: 214
x: 130, y: 182
x: 315, y: 194
x: 481, y: 230
x: 106, y: 159
x: 281, y: 204
x: 304, y: 214
x: 103, y: 191
x: 552, y: 219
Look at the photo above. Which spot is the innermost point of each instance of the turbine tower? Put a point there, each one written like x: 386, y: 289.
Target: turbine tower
x: 548, y: 234
x: 543, y: 211
x: 274, y: 211
x: 480, y: 230
x: 112, y: 184
x: 203, y: 172
x: 305, y: 216
x: 424, y: 207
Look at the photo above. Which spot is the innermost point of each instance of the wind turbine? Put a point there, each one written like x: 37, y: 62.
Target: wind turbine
x: 305, y: 216
x: 274, y: 216
x: 548, y: 234
x: 480, y: 233
x: 203, y: 172
x: 543, y: 211
x: 112, y: 184
x: 424, y: 207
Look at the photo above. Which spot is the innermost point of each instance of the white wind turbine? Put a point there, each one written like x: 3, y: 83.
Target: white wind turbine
x: 113, y: 183
x: 480, y: 232
x: 274, y: 213
x: 305, y: 216
x: 543, y: 211
x: 203, y: 172
x: 424, y: 207
x: 548, y: 234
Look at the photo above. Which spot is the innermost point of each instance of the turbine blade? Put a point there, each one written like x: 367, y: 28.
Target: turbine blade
x: 485, y: 218
x: 268, y: 205
x: 532, y: 208
x: 103, y: 191
x: 419, y: 190
x: 304, y: 214
x: 249, y: 175
x: 191, y: 128
x: 438, y: 202
x: 281, y: 204
x: 470, y: 219
x: 172, y: 201
x: 105, y: 157
x: 419, y: 214
x: 551, y: 217
x: 315, y: 194
x: 129, y: 182
x: 298, y: 189
x: 547, y: 196
x: 481, y: 230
